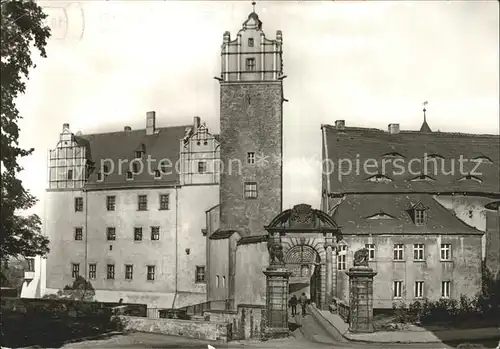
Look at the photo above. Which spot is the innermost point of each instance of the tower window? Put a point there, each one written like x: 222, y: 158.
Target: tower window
x: 250, y: 42
x: 250, y: 158
x: 202, y: 167
x: 251, y: 190
x: 250, y: 64
x: 200, y: 274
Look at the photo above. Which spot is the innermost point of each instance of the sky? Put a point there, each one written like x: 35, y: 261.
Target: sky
x: 368, y: 63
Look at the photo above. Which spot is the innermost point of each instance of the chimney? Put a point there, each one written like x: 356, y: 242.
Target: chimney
x: 127, y: 128
x: 393, y: 128
x: 150, y: 122
x: 339, y: 124
x: 196, y: 123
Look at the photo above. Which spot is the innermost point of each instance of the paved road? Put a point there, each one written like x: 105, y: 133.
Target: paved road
x: 309, y: 335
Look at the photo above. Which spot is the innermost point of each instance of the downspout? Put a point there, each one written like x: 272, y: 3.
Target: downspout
x: 176, y: 245
x: 86, y: 241
x: 325, y: 149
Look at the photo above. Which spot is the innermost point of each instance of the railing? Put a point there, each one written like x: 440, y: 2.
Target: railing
x: 191, y: 310
x: 342, y: 308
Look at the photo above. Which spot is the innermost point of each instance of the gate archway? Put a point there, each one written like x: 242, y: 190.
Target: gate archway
x: 307, y: 237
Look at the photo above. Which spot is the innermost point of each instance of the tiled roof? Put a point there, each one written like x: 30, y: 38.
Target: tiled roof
x: 116, y: 146
x: 359, y: 144
x: 220, y: 234
x: 255, y: 239
x: 354, y: 213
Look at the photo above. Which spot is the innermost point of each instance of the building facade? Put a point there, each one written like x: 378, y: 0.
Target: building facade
x: 126, y: 211
x: 420, y: 211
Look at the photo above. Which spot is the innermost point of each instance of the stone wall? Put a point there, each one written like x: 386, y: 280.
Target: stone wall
x: 246, y: 323
x: 215, y: 331
x: 250, y: 281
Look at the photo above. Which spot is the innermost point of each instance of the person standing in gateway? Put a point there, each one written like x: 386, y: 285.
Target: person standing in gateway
x: 303, y: 303
x: 293, y: 304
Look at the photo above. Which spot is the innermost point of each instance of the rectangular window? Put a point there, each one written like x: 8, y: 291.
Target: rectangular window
x: 78, y: 204
x: 151, y: 272
x: 419, y: 217
x: 371, y: 251
x: 70, y: 174
x: 130, y: 175
x: 129, y: 272
x: 138, y: 234
x: 445, y: 252
x: 202, y: 167
x: 250, y: 42
x: 419, y: 289
x: 155, y: 233
x: 217, y: 281
x: 92, y: 271
x: 31, y: 264
x: 75, y: 270
x: 251, y: 158
x: 397, y: 288
x: 110, y: 271
x: 250, y: 64
x: 250, y: 190
x: 164, y: 202
x: 110, y: 203
x: 110, y: 234
x: 399, y: 252
x: 200, y: 274
x: 418, y: 252
x: 78, y: 234
x: 445, y: 289
x: 142, y: 203
x: 341, y: 257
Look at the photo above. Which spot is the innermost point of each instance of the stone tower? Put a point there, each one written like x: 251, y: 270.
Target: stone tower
x: 251, y: 116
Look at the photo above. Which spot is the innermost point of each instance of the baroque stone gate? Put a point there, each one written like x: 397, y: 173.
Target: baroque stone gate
x: 302, y: 243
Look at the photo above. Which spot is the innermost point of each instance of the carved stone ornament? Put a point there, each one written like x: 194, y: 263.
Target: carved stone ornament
x: 276, y: 253
x: 301, y: 214
x: 361, y: 258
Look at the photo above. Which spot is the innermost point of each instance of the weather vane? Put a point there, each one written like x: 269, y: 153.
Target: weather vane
x: 253, y: 6
x: 425, y: 103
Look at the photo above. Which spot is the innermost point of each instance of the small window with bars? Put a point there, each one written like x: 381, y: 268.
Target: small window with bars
x: 137, y: 234
x: 78, y: 234
x: 142, y: 203
x: 164, y: 202
x: 200, y: 274
x: 110, y: 271
x: 250, y: 64
x: 110, y: 203
x: 251, y: 158
x: 250, y: 190
x: 111, y: 234
x: 151, y: 272
x: 129, y: 272
x: 75, y: 270
x: 79, y: 204
x: 92, y: 271
x: 155, y: 233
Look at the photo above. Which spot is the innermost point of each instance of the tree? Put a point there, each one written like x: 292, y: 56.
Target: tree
x: 22, y: 28
x: 80, y: 290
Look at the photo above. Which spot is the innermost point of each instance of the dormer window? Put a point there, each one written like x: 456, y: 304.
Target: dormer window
x: 138, y: 154
x: 471, y: 177
x: 99, y: 177
x: 130, y: 175
x: 422, y: 178
x: 105, y: 168
x: 393, y: 155
x: 419, y: 214
x: 434, y: 156
x: 379, y: 178
x: 135, y: 168
x: 250, y: 42
x: 420, y: 217
x: 163, y: 168
x: 157, y: 174
x: 380, y: 215
x: 482, y: 159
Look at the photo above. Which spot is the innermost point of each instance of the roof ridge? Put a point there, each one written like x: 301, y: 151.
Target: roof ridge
x: 436, y: 133
x: 131, y: 131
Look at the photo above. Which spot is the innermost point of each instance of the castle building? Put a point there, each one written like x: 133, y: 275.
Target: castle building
x: 126, y: 210
x: 428, y: 219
